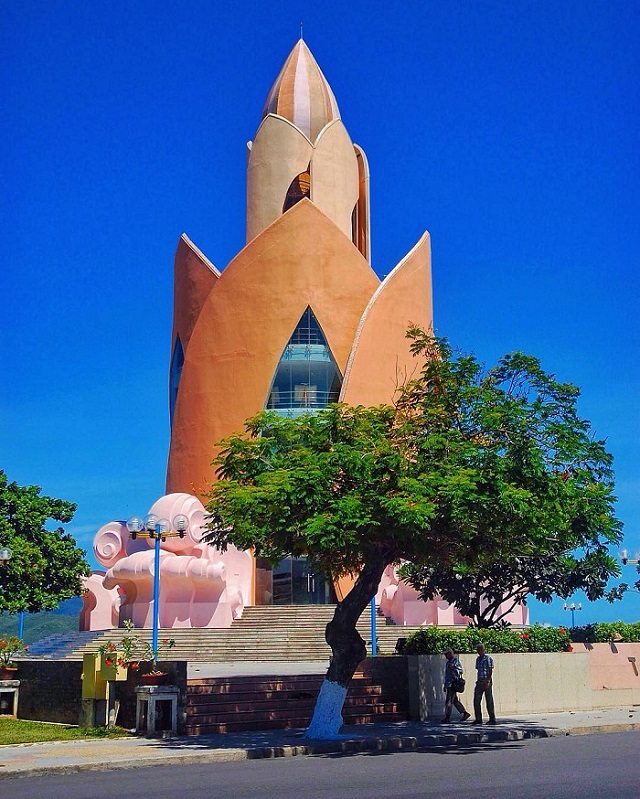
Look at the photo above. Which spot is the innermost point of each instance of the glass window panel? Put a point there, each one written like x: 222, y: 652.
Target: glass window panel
x: 175, y: 373
x: 307, y: 378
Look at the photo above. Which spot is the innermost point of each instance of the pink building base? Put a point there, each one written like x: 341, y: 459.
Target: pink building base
x: 202, y: 587
x: 199, y: 586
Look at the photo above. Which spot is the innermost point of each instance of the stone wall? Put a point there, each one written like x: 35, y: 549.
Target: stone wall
x: 125, y: 694
x: 391, y: 674
x: 592, y: 676
x: 52, y: 691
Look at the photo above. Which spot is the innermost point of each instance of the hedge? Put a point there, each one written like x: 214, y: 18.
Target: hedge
x: 604, y: 632
x: 432, y: 640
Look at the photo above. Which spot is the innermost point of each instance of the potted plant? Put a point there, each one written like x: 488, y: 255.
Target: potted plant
x: 117, y: 656
x: 154, y: 675
x: 131, y: 652
x: 10, y: 647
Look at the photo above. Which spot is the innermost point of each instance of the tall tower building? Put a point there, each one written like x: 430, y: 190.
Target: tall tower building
x: 298, y: 319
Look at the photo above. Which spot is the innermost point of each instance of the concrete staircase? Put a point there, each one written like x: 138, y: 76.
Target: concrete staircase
x: 231, y: 704
x: 284, y: 633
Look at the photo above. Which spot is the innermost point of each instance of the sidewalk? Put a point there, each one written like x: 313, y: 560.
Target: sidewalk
x: 71, y: 756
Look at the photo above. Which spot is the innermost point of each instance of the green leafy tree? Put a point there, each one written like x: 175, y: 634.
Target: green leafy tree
x: 618, y: 591
x: 489, y: 594
x: 468, y: 467
x: 46, y: 566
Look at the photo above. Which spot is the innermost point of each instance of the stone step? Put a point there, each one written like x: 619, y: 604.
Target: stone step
x: 284, y: 707
x: 290, y: 690
x: 265, y: 633
x: 289, y: 716
x: 229, y: 704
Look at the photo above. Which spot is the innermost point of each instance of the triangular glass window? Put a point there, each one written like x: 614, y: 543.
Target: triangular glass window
x: 307, y: 378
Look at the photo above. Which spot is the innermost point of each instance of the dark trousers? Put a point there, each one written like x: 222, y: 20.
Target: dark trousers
x: 451, y: 698
x: 480, y: 689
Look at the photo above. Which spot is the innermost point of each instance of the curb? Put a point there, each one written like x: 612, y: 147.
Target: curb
x: 349, y: 746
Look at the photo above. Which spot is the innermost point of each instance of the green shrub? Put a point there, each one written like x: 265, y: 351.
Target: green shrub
x: 432, y: 640
x: 603, y: 632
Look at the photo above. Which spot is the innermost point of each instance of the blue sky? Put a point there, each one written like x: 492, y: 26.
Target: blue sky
x: 506, y: 129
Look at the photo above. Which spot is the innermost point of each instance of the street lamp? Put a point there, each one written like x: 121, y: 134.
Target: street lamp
x: 573, y: 607
x: 159, y: 530
x: 624, y: 557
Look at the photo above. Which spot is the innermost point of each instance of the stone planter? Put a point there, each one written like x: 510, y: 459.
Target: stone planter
x: 154, y: 678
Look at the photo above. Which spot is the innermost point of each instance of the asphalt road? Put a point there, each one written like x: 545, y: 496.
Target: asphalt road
x: 596, y: 766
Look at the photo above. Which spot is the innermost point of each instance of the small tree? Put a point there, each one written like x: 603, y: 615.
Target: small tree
x: 487, y: 595
x: 467, y: 468
x: 46, y: 566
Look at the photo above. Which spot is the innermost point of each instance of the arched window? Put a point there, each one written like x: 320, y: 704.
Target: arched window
x: 307, y: 377
x: 300, y: 187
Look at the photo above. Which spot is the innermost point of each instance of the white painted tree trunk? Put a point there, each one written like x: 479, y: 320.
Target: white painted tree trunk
x: 327, y: 715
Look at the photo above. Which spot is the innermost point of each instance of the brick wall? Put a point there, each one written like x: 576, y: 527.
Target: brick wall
x: 392, y: 674
x: 51, y: 690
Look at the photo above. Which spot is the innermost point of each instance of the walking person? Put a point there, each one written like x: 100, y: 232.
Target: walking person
x: 452, y: 677
x: 484, y: 686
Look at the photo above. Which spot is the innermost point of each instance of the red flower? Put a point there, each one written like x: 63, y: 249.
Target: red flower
x: 569, y: 648
x: 525, y: 635
x: 563, y: 631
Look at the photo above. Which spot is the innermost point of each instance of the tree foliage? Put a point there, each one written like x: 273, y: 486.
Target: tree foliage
x: 46, y: 566
x: 618, y: 591
x: 533, y: 465
x: 487, y: 595
x: 466, y: 468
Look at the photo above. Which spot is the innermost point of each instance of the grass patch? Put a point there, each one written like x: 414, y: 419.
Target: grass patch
x: 18, y: 731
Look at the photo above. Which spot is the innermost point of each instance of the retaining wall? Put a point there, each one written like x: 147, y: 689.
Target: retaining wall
x: 51, y: 690
x: 592, y: 676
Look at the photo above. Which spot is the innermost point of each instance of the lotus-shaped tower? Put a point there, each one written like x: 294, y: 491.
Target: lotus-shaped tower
x: 299, y: 318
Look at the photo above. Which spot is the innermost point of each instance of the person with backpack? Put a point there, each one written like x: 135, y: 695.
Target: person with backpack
x: 453, y: 684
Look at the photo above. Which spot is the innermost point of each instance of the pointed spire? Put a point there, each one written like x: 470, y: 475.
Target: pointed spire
x: 301, y: 93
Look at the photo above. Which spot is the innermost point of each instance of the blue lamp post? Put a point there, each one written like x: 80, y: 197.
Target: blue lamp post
x: 374, y: 633
x: 159, y: 530
x: 625, y: 559
x: 573, y: 607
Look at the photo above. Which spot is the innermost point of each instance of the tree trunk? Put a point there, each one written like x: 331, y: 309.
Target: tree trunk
x: 348, y: 651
